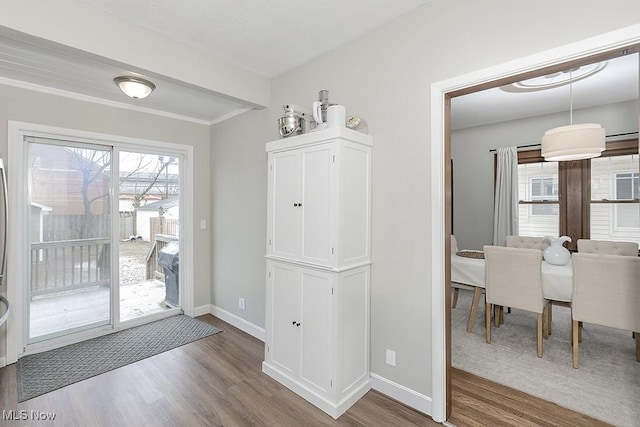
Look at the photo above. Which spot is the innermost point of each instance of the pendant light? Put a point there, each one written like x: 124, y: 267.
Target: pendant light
x: 573, y: 142
x: 134, y: 87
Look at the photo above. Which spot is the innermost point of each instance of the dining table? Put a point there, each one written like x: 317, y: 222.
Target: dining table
x: 468, y: 268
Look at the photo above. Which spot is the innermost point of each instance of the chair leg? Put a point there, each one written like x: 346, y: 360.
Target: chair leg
x: 487, y: 320
x: 579, y: 331
x: 456, y: 291
x: 637, y: 336
x: 539, y: 334
x: 549, y: 318
x: 477, y: 292
x: 575, y: 331
x: 546, y: 325
x: 497, y: 316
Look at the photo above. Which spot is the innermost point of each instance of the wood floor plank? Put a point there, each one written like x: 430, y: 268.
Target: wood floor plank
x: 488, y: 403
x: 217, y: 381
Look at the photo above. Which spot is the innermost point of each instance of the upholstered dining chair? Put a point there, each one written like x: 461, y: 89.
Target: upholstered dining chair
x: 606, y: 247
x: 527, y: 242
x: 514, y: 279
x: 606, y: 291
x: 467, y: 274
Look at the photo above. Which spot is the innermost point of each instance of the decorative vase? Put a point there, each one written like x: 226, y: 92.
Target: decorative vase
x: 555, y: 253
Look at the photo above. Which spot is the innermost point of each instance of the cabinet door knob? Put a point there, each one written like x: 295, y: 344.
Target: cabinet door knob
x: 293, y: 323
x: 298, y: 324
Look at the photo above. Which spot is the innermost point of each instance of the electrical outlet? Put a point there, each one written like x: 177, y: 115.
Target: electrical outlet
x: 391, y: 357
x: 241, y: 303
x: 203, y: 224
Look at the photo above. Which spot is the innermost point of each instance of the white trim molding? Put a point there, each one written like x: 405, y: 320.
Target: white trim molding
x: 599, y: 44
x: 232, y: 319
x: 402, y: 394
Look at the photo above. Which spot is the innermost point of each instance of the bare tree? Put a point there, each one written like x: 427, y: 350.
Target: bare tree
x: 150, y: 181
x: 92, y: 165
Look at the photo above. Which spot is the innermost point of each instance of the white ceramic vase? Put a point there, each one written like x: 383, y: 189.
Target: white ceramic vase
x: 555, y: 253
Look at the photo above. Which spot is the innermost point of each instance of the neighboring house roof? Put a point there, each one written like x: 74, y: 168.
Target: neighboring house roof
x: 167, y: 203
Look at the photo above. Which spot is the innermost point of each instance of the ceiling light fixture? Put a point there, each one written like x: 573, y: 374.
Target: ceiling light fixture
x: 134, y: 87
x: 573, y: 142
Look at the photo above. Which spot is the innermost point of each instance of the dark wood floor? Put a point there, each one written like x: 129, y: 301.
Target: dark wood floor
x: 217, y: 381
x: 479, y: 402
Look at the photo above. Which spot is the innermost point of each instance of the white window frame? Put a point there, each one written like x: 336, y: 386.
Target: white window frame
x: 18, y: 246
x: 614, y: 223
x: 542, y: 197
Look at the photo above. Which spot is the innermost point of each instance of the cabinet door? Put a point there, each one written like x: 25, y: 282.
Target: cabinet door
x: 317, y: 210
x: 317, y: 350
x: 284, y: 212
x: 284, y: 319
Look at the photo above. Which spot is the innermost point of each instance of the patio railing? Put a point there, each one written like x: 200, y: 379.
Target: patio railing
x: 69, y: 265
x: 154, y: 271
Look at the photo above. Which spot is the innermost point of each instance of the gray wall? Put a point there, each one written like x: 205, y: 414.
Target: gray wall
x: 34, y: 107
x: 473, y: 163
x: 385, y: 77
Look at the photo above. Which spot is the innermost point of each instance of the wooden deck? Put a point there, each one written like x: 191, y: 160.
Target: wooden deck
x: 54, y: 313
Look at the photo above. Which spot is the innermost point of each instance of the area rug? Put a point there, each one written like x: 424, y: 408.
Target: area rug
x: 606, y: 386
x: 41, y: 373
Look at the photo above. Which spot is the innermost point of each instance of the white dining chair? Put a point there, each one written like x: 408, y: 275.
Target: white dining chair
x: 606, y: 291
x: 606, y: 247
x: 527, y: 242
x: 514, y: 279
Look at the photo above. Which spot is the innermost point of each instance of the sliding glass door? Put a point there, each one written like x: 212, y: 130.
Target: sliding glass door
x: 104, y: 238
x: 69, y: 227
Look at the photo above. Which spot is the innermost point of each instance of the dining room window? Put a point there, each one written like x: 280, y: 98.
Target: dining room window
x: 584, y: 199
x: 544, y: 189
x: 539, y: 208
x: 614, y: 204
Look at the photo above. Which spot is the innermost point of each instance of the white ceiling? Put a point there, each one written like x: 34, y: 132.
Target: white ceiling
x: 616, y: 82
x: 265, y: 38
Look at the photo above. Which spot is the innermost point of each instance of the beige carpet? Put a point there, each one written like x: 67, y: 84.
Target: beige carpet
x: 606, y: 386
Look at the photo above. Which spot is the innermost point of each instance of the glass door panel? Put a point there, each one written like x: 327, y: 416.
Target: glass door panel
x: 70, y: 238
x: 149, y: 194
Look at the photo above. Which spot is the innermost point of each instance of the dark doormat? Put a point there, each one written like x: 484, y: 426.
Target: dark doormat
x: 44, y: 372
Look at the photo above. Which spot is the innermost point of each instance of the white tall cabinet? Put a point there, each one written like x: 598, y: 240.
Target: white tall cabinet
x: 318, y: 266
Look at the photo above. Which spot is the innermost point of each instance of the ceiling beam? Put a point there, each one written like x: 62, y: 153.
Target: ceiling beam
x: 85, y: 28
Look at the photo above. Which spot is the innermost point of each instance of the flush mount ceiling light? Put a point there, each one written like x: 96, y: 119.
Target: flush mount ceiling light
x: 573, y: 142
x: 134, y: 87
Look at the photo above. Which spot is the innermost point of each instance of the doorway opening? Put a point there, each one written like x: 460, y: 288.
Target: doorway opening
x: 442, y: 94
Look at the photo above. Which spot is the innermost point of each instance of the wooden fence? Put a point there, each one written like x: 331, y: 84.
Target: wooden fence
x: 72, y: 227
x: 164, y: 226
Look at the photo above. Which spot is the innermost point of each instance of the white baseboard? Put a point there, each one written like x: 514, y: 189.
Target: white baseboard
x: 3, y: 362
x: 202, y: 310
x: 402, y: 394
x: 232, y: 319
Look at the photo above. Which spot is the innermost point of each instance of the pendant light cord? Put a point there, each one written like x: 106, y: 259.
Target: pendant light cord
x: 570, y: 97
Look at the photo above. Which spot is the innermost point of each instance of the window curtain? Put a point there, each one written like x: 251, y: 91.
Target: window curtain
x: 505, y: 209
